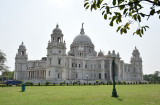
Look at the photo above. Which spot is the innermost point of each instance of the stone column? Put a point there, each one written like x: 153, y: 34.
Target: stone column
x: 110, y: 67
x: 102, y: 67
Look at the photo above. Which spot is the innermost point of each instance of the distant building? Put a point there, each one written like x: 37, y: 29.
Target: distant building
x: 80, y: 64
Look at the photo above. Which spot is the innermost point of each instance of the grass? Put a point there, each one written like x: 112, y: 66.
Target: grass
x: 81, y: 95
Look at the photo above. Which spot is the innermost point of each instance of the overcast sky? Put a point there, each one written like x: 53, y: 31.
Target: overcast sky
x: 32, y: 22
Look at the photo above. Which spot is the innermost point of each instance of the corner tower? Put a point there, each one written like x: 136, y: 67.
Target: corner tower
x: 136, y: 62
x: 21, y: 63
x: 56, y: 52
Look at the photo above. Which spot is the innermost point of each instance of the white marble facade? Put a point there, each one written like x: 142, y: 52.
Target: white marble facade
x: 80, y: 64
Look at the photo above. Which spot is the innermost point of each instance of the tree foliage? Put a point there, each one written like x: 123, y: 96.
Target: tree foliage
x: 2, y: 60
x: 152, y: 77
x: 126, y: 11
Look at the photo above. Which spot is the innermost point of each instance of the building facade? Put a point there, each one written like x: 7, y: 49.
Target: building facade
x: 81, y: 63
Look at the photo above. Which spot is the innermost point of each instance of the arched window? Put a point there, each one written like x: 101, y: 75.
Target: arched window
x: 49, y: 73
x: 50, y: 60
x: 72, y: 65
x: 105, y: 75
x: 58, y: 75
x: 79, y: 65
x: 59, y: 39
x: 22, y: 52
x: 86, y: 66
x: 53, y: 38
x: 99, y: 75
x: 59, y: 61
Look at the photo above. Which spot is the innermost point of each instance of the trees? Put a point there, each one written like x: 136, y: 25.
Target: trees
x: 126, y: 11
x: 152, y: 77
x: 7, y: 75
x: 2, y: 60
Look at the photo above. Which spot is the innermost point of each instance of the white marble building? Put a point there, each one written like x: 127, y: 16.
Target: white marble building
x: 80, y: 64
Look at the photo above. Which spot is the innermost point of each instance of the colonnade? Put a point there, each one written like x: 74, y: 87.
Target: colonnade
x: 38, y: 74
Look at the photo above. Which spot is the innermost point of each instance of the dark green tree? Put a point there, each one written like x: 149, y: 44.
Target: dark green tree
x: 152, y: 77
x: 2, y: 61
x: 126, y: 12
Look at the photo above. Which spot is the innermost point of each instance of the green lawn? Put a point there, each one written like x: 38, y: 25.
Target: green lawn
x: 81, y: 95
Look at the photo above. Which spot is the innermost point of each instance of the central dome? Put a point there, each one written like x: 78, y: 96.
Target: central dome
x: 82, y: 38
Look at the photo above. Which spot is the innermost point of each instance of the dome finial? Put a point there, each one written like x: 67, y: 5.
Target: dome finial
x: 82, y: 30
x: 22, y: 42
x: 82, y: 25
x: 57, y: 26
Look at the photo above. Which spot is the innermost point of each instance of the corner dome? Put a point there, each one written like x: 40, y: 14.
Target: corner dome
x: 57, y: 30
x: 22, y: 46
x: 100, y: 53
x: 135, y: 51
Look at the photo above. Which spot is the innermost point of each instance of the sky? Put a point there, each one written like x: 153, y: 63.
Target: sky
x: 32, y: 21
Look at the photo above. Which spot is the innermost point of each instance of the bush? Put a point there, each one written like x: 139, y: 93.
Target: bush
x: 3, y: 85
x: 47, y: 83
x: 89, y: 83
x: 119, y: 82
x: 84, y: 83
x: 97, y: 81
x: 39, y: 84
x: 109, y: 82
x: 29, y: 83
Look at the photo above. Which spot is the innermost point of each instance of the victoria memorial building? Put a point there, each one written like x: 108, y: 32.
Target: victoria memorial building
x: 81, y: 63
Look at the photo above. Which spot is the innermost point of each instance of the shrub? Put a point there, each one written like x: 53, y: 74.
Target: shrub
x: 84, y: 83
x: 39, y: 84
x: 2, y: 85
x: 109, y: 82
x: 29, y: 83
x: 47, y: 83
x: 97, y: 81
x: 119, y: 83
x: 89, y: 83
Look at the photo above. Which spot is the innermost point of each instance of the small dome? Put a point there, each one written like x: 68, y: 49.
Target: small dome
x: 100, y: 53
x: 135, y: 51
x: 57, y: 30
x: 22, y: 46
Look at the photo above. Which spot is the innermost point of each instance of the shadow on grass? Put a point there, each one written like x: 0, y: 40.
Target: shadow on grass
x: 118, y: 98
x: 21, y: 91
